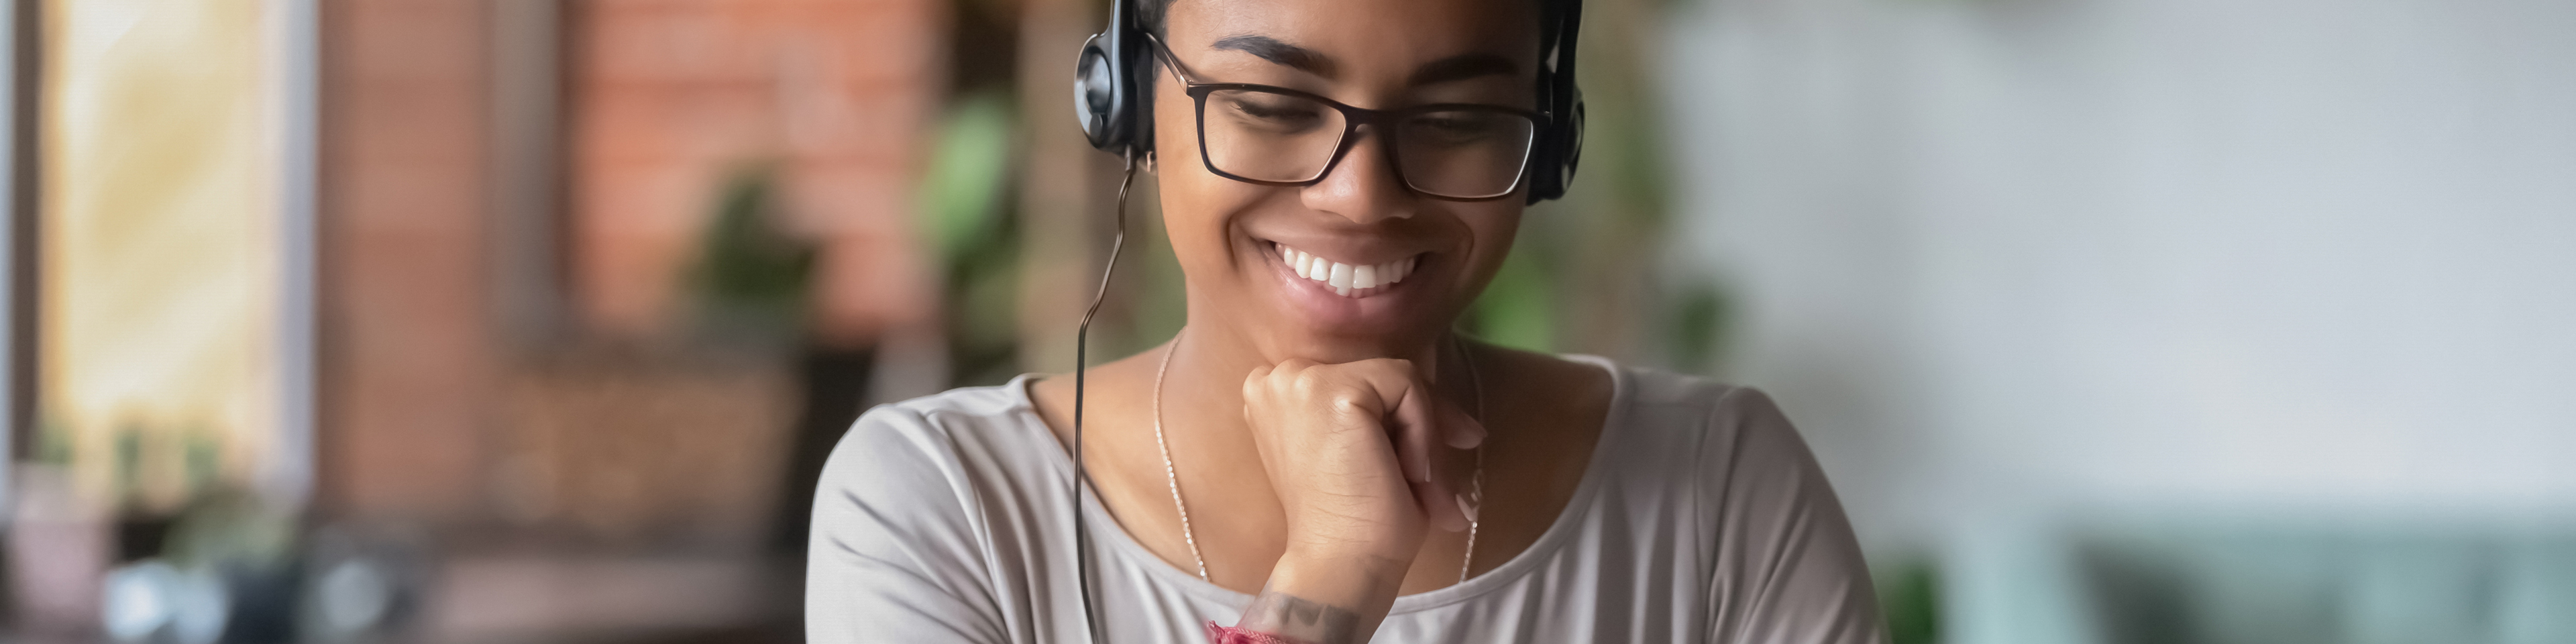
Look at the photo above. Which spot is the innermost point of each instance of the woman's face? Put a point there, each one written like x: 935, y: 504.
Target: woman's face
x: 1238, y: 243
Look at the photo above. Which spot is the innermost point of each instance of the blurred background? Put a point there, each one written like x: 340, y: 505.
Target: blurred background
x: 2114, y: 321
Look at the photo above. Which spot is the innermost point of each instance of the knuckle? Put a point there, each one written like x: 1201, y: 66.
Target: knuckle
x: 1348, y: 406
x: 1344, y: 402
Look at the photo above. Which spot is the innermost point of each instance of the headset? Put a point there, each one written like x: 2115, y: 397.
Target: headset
x: 1113, y: 94
x: 1113, y: 98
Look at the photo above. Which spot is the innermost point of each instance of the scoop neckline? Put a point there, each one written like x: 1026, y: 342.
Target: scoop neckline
x: 1559, y: 530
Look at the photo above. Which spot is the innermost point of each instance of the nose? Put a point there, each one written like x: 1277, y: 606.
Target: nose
x: 1363, y: 187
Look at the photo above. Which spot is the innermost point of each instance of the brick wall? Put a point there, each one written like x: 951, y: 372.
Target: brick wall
x: 407, y: 359
x: 423, y: 403
x: 670, y: 97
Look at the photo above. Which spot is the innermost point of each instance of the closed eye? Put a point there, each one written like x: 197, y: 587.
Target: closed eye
x: 1274, y: 113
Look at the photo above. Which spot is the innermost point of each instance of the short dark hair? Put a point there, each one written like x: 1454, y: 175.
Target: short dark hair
x: 1152, y: 13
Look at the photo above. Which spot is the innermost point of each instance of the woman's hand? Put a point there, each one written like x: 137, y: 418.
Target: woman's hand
x: 1358, y: 454
x: 1361, y: 456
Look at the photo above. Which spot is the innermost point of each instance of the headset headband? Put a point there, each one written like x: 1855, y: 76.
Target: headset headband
x: 1115, y: 109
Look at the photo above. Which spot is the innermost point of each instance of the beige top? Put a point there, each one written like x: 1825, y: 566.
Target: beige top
x: 1702, y: 518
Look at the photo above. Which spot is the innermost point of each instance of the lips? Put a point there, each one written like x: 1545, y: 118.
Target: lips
x: 1347, y: 280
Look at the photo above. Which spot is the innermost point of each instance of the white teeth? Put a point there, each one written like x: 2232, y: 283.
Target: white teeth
x: 1346, y: 278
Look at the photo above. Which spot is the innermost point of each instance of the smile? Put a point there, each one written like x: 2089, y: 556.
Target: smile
x: 1353, y: 281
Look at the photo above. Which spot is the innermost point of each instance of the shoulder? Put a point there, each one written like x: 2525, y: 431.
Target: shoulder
x: 1669, y: 392
x: 1678, y: 413
x: 963, y: 408
x: 1750, y: 473
x: 1779, y: 552
x: 960, y: 447
x: 1716, y: 447
x: 915, y: 501
x: 966, y: 417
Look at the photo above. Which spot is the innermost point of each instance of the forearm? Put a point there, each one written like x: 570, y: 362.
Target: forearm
x: 1325, y: 599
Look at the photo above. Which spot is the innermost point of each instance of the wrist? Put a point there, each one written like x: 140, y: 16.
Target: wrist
x: 1350, y: 542
x: 1318, y: 598
x: 1361, y: 582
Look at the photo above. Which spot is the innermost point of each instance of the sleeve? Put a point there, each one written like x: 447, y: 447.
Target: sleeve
x: 896, y: 554
x: 1787, y: 569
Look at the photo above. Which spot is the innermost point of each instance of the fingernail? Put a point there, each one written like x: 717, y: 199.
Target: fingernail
x: 1422, y: 474
x: 1464, y: 439
x: 1466, y: 508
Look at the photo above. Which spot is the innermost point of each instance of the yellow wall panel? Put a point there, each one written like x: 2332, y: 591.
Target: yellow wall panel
x: 160, y: 245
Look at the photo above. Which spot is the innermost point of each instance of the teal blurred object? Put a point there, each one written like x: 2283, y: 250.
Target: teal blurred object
x: 2252, y: 585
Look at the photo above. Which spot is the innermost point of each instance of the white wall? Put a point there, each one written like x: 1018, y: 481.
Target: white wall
x: 2006, y: 255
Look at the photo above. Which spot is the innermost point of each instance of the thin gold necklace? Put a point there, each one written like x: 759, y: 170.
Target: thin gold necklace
x: 1172, y: 480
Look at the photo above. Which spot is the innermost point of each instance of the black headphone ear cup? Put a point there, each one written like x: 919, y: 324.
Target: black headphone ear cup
x: 1093, y: 91
x: 1097, y: 102
x: 1560, y: 148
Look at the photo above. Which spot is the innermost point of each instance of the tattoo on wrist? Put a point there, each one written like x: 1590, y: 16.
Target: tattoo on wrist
x: 1296, y: 618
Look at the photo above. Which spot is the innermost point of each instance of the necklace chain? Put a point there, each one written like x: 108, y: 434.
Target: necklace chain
x: 1172, y: 480
x: 1476, y: 482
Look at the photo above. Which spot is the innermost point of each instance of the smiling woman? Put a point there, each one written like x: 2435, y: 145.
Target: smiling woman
x: 1317, y: 456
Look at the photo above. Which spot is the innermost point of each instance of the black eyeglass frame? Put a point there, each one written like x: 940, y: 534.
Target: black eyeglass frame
x: 1352, y: 119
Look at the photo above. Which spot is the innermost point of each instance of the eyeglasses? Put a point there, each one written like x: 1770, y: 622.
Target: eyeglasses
x: 1275, y: 136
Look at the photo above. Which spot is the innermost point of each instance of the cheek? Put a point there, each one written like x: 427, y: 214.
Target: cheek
x: 1197, y: 205
x: 1175, y: 125
x: 1198, y: 241
x: 1177, y: 164
x: 1197, y: 212
x: 1492, y: 227
x: 1183, y: 182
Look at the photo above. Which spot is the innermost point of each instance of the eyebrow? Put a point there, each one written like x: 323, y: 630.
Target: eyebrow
x: 1453, y: 68
x: 1462, y: 67
x: 1271, y: 49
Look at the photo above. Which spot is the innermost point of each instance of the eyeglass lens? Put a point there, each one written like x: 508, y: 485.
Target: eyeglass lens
x: 1284, y: 138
